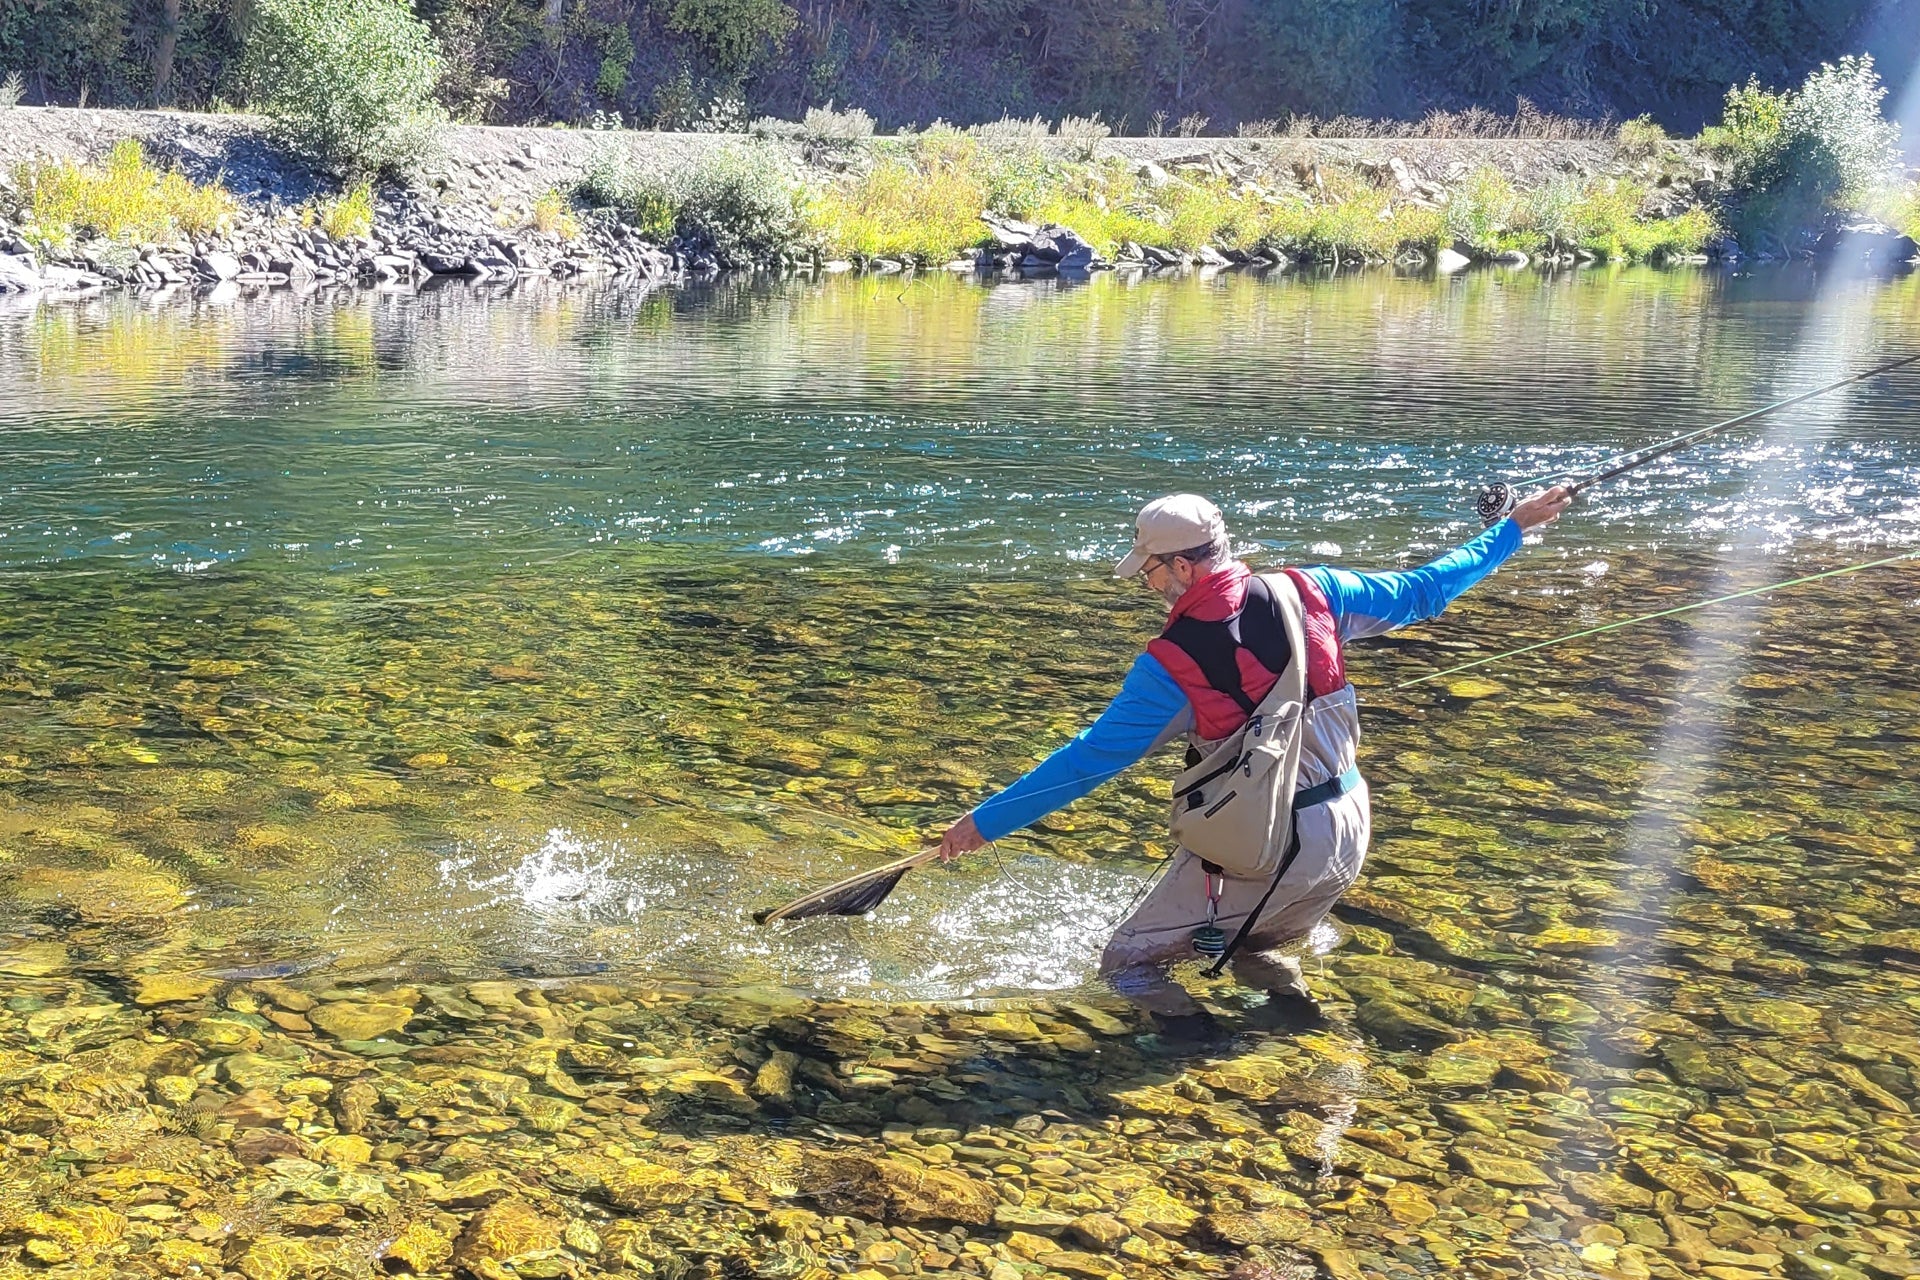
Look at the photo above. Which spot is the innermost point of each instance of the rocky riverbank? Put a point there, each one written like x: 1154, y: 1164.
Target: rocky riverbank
x: 472, y: 210
x: 506, y: 204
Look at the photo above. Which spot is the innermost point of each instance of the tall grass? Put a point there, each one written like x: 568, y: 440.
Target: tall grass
x: 124, y: 198
x: 1527, y: 121
x: 919, y: 198
x: 349, y: 214
x: 923, y: 205
x: 551, y: 215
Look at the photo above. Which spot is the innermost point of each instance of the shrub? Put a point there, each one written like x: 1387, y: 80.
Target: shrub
x: 645, y: 200
x: 12, y: 89
x: 1603, y: 219
x: 1006, y: 131
x: 123, y: 199
x: 348, y: 82
x: 1081, y: 134
x: 1749, y: 122
x: 1481, y: 211
x: 774, y: 129
x: 826, y: 127
x: 1639, y: 138
x: 739, y: 205
x: 551, y: 215
x: 1794, y: 156
x: 351, y: 214
x: 1551, y: 215
x: 722, y: 113
x: 736, y: 34
x: 616, y: 60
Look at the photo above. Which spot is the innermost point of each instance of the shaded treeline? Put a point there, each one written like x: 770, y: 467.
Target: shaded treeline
x: 1143, y: 65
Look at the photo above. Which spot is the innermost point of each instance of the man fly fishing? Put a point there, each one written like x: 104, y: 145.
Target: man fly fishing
x: 1271, y: 814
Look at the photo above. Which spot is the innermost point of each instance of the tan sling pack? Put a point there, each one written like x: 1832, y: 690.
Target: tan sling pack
x: 1235, y: 807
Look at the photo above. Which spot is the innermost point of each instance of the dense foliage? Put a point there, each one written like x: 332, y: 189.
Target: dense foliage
x: 348, y: 82
x: 1795, y: 155
x: 1140, y: 64
x: 739, y: 205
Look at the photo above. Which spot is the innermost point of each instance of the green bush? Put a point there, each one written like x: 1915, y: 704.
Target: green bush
x: 740, y: 204
x: 736, y: 34
x: 1481, y: 212
x: 348, y: 82
x: 645, y: 201
x: 824, y: 126
x: 616, y: 60
x: 1794, y: 156
x: 1639, y: 138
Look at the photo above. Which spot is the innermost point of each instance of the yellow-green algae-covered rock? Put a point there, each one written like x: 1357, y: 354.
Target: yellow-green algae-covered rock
x: 32, y: 959
x: 1152, y: 1209
x: 1473, y: 688
x: 881, y: 1187
x: 169, y: 988
x: 418, y: 1250
x: 105, y: 895
x: 359, y: 1020
x: 178, y: 1257
x: 280, y: 1258
x: 640, y: 1184
x: 502, y: 1235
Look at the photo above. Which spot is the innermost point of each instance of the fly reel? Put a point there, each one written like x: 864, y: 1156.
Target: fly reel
x: 1496, y: 503
x: 1210, y: 942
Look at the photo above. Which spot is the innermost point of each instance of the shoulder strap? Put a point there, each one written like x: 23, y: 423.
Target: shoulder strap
x: 1261, y: 630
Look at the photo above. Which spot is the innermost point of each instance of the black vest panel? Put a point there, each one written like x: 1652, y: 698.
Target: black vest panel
x: 1213, y: 646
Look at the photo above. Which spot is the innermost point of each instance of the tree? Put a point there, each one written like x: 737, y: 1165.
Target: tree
x: 348, y: 82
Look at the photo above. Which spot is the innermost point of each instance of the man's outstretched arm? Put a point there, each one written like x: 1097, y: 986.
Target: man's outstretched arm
x: 1368, y: 604
x: 1149, y: 709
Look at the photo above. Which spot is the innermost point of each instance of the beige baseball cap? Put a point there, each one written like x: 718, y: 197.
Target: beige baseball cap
x: 1177, y: 522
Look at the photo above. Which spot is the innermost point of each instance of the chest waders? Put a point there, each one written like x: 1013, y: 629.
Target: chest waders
x: 1210, y: 941
x: 1271, y: 628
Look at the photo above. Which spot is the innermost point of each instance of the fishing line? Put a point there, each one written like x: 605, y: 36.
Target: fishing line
x: 1497, y: 500
x: 1663, y: 613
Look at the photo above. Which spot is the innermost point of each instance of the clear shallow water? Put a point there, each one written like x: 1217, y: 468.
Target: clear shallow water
x: 745, y: 559
x: 398, y: 645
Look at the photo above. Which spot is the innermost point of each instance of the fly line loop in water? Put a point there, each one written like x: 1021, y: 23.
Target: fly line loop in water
x: 1657, y: 614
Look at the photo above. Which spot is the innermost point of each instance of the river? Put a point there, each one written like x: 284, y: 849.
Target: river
x: 405, y: 699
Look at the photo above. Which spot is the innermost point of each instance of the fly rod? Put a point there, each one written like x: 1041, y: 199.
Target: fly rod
x: 1497, y: 500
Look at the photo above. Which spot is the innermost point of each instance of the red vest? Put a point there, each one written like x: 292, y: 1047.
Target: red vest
x: 1214, y: 642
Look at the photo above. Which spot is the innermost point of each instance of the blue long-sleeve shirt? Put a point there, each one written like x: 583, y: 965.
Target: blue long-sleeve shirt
x: 1151, y: 709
